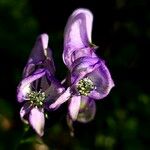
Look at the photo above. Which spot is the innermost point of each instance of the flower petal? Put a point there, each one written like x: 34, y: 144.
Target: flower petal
x: 38, y: 51
x: 101, y: 77
x: 61, y: 99
x: 53, y: 91
x: 85, y: 52
x: 84, y: 62
x: 77, y: 33
x: 24, y: 111
x: 82, y: 66
x: 87, y: 110
x: 24, y: 86
x: 74, y: 107
x: 39, y: 54
x: 37, y: 120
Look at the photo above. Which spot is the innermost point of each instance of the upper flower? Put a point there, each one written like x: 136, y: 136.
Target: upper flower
x: 38, y: 86
x: 90, y: 79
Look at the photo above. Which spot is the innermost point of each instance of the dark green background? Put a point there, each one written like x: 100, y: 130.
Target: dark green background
x: 121, y: 29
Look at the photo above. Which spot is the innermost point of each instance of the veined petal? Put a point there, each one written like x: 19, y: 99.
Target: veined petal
x: 37, y: 120
x: 39, y: 54
x: 85, y: 52
x: 77, y: 33
x: 24, y: 111
x: 84, y: 62
x: 102, y: 80
x: 61, y: 99
x: 38, y: 51
x: 83, y: 66
x: 74, y: 107
x: 87, y: 110
x: 54, y: 90
x: 24, y: 86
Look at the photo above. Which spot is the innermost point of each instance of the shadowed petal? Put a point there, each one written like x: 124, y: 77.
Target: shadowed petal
x: 37, y: 120
x: 53, y: 91
x: 24, y: 86
x: 84, y: 62
x: 83, y: 66
x: 102, y: 80
x: 24, y: 111
x: 39, y: 54
x: 77, y: 33
x: 85, y: 52
x: 74, y: 107
x: 61, y: 99
x: 87, y: 110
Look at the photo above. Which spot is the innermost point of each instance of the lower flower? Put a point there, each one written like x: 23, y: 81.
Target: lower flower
x: 38, y: 88
x: 35, y: 91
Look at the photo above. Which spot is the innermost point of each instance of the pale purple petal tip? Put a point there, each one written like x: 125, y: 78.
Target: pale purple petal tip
x: 87, y: 17
x: 74, y: 107
x: 37, y: 120
x: 44, y: 39
x: 61, y: 99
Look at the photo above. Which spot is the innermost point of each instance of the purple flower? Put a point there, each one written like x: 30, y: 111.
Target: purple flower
x: 89, y: 79
x: 38, y: 87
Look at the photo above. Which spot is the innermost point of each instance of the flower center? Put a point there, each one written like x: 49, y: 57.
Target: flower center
x: 85, y: 86
x: 37, y: 98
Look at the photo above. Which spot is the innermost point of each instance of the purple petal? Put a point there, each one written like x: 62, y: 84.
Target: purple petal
x: 44, y: 40
x: 77, y: 33
x: 37, y: 120
x: 85, y: 52
x: 87, y: 110
x: 54, y: 90
x: 24, y: 111
x: 28, y: 70
x: 74, y: 107
x: 25, y: 85
x: 84, y: 62
x: 39, y: 54
x: 102, y: 79
x: 82, y: 67
x: 39, y: 50
x: 61, y: 99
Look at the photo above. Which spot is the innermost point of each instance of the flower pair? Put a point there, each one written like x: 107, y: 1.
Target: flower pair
x: 88, y: 80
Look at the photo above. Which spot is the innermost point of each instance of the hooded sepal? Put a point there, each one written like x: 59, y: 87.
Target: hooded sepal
x: 41, y: 56
x: 77, y: 35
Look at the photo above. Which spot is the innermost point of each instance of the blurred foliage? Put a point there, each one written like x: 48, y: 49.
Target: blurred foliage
x: 122, y: 30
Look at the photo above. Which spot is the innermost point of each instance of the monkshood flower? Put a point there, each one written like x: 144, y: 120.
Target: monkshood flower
x: 89, y: 79
x: 38, y: 87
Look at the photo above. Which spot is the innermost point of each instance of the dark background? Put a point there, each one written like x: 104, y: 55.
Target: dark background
x: 121, y: 29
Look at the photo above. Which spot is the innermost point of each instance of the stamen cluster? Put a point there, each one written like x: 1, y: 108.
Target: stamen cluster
x: 85, y: 86
x: 37, y: 98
